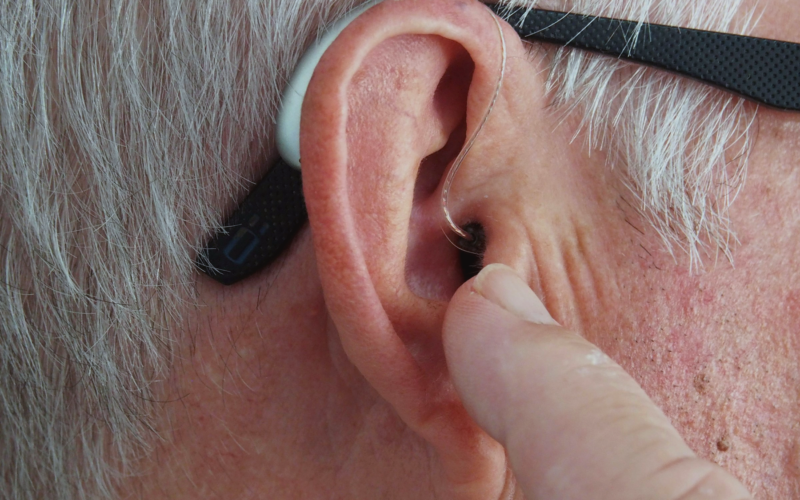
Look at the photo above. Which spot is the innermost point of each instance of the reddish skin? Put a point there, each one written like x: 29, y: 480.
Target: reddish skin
x: 295, y: 394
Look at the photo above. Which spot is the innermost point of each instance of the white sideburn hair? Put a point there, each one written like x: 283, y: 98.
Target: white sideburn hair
x: 123, y: 125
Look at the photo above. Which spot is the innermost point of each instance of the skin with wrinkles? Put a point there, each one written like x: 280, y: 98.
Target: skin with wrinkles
x: 274, y: 388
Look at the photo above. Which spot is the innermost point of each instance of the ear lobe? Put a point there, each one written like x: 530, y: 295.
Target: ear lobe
x: 385, y: 113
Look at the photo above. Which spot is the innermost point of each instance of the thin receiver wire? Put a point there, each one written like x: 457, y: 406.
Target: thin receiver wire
x: 448, y: 183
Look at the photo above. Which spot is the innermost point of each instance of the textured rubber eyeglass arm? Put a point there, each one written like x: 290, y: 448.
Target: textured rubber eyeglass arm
x: 765, y: 71
x: 260, y: 229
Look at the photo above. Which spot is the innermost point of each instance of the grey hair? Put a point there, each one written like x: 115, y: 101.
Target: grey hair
x: 125, y: 124
x: 683, y: 145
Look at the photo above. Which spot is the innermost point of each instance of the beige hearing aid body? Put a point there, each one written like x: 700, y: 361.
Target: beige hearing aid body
x: 288, y: 125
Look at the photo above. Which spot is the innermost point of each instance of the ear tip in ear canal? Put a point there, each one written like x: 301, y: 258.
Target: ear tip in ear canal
x: 471, y: 252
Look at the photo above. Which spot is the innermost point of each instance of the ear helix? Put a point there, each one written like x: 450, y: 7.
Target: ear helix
x: 288, y: 129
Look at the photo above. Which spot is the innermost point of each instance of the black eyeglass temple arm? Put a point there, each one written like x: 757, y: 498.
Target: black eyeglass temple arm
x: 765, y: 71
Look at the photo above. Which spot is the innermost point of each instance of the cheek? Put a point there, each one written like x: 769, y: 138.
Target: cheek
x: 716, y: 358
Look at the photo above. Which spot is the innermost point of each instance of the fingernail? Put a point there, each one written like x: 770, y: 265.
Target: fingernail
x: 500, y: 285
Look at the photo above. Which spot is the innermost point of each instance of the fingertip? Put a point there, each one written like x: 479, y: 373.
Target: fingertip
x: 502, y: 286
x: 479, y: 334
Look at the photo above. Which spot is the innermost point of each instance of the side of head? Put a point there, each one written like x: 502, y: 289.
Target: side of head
x: 126, y: 142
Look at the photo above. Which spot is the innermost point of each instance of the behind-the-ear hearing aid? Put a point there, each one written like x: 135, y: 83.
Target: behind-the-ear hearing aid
x: 274, y: 212
x: 288, y: 125
x: 263, y: 226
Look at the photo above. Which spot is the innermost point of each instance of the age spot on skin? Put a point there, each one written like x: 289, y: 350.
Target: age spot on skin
x: 701, y: 383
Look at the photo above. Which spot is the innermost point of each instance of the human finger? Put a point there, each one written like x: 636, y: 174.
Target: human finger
x: 575, y: 425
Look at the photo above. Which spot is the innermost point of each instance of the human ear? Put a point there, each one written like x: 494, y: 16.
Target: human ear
x: 385, y: 113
